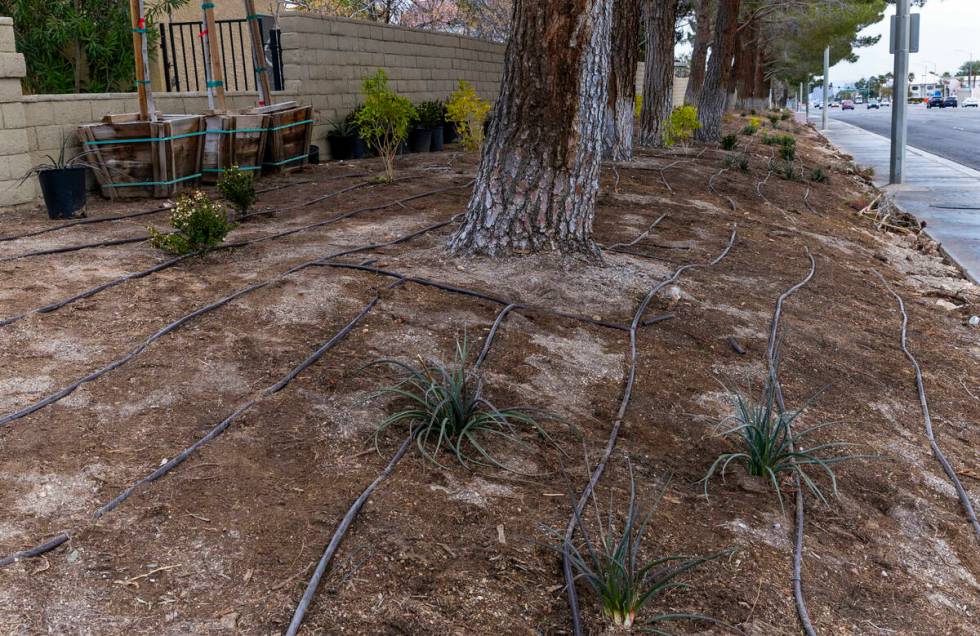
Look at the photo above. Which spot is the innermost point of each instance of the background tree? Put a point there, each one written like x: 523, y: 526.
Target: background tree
x: 714, y: 91
x: 539, y: 174
x: 699, y: 49
x: 620, y: 108
x: 969, y: 70
x: 660, y: 29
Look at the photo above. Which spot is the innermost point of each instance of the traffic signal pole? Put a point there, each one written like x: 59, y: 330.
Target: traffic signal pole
x: 900, y: 100
x: 826, y: 88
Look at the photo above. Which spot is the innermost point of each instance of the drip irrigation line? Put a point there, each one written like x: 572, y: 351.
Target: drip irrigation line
x: 173, y: 326
x: 226, y: 246
x: 806, y: 201
x: 520, y: 308
x: 711, y: 187
x: 640, y: 237
x: 617, y: 425
x: 157, y: 210
x: 629, y: 252
x: 348, y: 519
x: 773, y: 381
x: 181, y: 457
x: 85, y: 246
x: 961, y: 493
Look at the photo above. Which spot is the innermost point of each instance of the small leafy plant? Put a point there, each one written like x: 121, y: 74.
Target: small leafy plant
x: 789, y: 171
x: 753, y: 126
x: 446, y: 410
x: 237, y: 187
x: 430, y: 114
x: 729, y: 142
x: 818, y: 175
x: 681, y: 125
x: 345, y: 127
x: 200, y: 224
x: 767, y: 450
x: 773, y: 118
x: 384, y: 120
x: 612, y: 565
x: 788, y: 151
x: 740, y: 162
x: 469, y: 112
x: 785, y: 114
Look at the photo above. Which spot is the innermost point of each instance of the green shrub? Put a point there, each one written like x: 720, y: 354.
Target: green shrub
x: 200, y: 224
x: 773, y: 118
x: 789, y: 171
x: 237, y: 186
x: 766, y: 448
x: 469, y: 112
x: 750, y: 129
x: 741, y: 162
x: 785, y: 114
x: 818, y: 175
x: 384, y: 120
x: 681, y: 125
x: 445, y: 409
x: 430, y: 114
x: 610, y: 563
x: 787, y: 152
x: 729, y: 142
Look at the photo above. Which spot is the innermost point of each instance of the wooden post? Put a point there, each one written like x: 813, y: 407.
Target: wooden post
x: 147, y: 109
x: 212, y: 53
x: 258, y: 55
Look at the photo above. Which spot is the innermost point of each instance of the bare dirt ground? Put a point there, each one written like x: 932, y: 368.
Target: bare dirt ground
x: 226, y: 542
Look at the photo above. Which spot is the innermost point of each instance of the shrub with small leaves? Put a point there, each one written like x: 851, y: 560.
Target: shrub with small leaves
x: 740, y: 162
x: 469, y: 112
x: 237, y: 187
x: 787, y: 152
x: 384, y: 120
x: 199, y: 224
x: 789, y: 171
x: 773, y: 118
x: 750, y: 129
x: 729, y: 142
x: 786, y: 114
x: 681, y: 125
x: 818, y: 175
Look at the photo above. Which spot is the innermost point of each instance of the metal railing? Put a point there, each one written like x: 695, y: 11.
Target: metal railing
x: 182, y: 52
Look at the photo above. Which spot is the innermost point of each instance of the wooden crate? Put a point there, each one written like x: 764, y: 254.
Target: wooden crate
x: 136, y: 158
x: 234, y: 140
x: 290, y: 132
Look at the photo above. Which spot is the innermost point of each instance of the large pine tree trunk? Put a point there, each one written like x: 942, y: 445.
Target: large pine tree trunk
x: 539, y: 174
x: 699, y: 53
x: 711, y: 102
x: 620, y: 106
x: 660, y: 20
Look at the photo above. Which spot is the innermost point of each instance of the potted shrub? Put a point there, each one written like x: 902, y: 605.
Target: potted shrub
x: 359, y: 148
x: 431, y: 117
x: 419, y: 136
x: 384, y: 120
x: 341, y: 138
x: 469, y: 112
x: 62, y: 183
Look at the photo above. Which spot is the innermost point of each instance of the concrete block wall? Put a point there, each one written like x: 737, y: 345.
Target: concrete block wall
x: 325, y: 59
x: 15, y: 158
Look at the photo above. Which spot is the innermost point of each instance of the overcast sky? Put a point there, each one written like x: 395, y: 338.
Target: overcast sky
x: 947, y: 25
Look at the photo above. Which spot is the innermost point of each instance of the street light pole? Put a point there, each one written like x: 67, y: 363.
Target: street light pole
x: 900, y: 101
x: 826, y: 88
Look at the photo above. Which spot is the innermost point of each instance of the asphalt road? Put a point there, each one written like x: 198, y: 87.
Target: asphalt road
x: 952, y: 133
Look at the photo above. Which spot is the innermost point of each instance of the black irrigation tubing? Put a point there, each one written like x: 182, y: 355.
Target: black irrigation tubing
x: 345, y: 523
x: 771, y: 351
x: 173, y: 326
x: 806, y: 201
x: 964, y: 497
x: 85, y: 246
x: 181, y: 457
x: 711, y: 187
x: 174, y: 261
x: 157, y: 210
x: 617, y: 425
x: 520, y: 308
x: 639, y: 238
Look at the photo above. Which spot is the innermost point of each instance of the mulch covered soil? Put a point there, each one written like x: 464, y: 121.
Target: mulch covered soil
x: 226, y: 542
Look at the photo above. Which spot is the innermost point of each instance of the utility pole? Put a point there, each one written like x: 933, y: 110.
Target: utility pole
x: 806, y: 101
x: 900, y: 101
x: 826, y: 87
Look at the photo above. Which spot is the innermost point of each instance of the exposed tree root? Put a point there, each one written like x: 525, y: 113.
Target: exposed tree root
x: 614, y: 433
x: 961, y: 493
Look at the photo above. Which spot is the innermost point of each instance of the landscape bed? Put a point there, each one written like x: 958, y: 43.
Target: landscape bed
x: 227, y: 540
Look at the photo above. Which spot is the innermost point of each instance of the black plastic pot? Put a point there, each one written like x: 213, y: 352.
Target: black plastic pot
x: 314, y: 155
x: 341, y: 147
x: 437, y: 138
x: 360, y: 148
x: 64, y: 191
x: 449, y: 133
x: 420, y: 140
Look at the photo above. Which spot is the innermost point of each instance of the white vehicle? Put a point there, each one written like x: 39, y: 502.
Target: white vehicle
x: 971, y: 102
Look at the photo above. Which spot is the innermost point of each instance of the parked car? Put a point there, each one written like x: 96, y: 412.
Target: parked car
x: 847, y: 105
x: 835, y: 104
x: 872, y: 103
x: 885, y: 103
x: 971, y: 102
x: 950, y: 102
x: 934, y: 102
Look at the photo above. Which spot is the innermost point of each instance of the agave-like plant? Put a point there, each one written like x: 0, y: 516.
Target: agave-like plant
x: 770, y: 447
x: 611, y: 564
x: 446, y: 410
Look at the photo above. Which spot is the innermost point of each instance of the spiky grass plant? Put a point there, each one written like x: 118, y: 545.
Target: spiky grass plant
x: 613, y: 567
x: 768, y: 450
x: 446, y: 410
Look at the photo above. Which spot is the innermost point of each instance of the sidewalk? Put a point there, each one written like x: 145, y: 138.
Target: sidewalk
x: 944, y: 194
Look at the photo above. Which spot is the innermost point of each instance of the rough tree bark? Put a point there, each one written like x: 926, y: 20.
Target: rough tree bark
x: 620, y: 105
x: 539, y: 174
x: 660, y: 20
x: 699, y: 53
x: 711, y: 102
